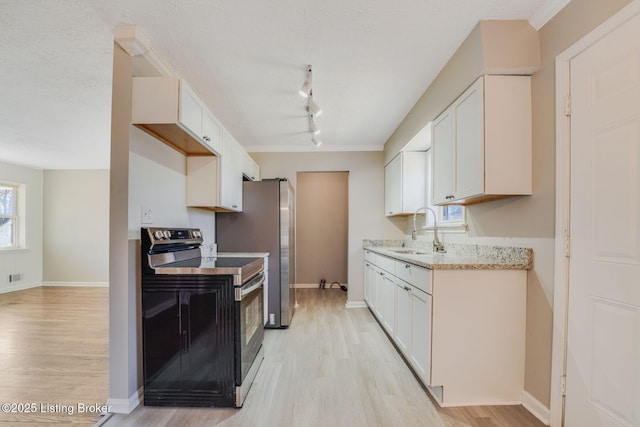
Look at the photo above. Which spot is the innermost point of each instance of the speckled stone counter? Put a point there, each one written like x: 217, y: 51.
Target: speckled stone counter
x: 457, y: 257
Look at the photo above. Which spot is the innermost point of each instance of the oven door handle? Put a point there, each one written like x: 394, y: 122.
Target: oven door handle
x: 242, y: 292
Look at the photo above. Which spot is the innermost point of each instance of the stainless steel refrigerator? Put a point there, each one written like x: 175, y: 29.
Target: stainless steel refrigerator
x: 266, y: 224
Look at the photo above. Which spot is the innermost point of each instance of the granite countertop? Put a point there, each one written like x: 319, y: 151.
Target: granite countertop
x: 457, y: 257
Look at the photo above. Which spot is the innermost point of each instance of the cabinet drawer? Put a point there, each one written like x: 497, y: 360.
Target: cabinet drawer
x: 414, y: 275
x: 385, y: 263
x: 369, y: 256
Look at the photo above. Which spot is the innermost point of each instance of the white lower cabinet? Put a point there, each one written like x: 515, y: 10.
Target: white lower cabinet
x: 420, y: 353
x: 404, y: 318
x: 369, y: 284
x: 402, y: 308
x: 388, y: 302
x: 461, y: 331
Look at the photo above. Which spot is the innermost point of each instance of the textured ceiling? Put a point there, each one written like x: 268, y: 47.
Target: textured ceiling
x: 372, y: 60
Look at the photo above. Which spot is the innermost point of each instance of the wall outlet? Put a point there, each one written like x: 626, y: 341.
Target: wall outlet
x: 146, y: 215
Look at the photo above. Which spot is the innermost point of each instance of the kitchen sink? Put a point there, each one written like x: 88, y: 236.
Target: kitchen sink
x: 408, y: 251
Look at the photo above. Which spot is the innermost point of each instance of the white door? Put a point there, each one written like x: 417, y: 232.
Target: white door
x: 603, y: 342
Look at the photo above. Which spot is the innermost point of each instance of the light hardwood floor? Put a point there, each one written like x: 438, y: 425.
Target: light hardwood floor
x: 332, y: 367
x: 53, y: 351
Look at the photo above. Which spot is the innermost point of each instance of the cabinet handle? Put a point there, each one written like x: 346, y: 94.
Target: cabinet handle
x: 234, y: 206
x: 206, y: 138
x: 382, y: 274
x: 407, y: 266
x: 408, y: 289
x: 450, y: 197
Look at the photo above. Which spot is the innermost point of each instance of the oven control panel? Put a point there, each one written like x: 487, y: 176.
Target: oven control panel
x: 187, y: 236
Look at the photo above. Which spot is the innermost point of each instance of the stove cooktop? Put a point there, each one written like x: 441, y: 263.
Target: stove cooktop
x: 241, y: 268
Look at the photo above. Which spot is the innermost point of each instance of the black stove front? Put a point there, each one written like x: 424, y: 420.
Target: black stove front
x: 195, y: 323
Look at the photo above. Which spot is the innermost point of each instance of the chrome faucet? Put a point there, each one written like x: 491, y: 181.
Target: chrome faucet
x: 437, y: 244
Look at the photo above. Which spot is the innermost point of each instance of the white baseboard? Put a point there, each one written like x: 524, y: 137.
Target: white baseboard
x: 20, y: 287
x: 356, y: 304
x: 125, y: 406
x: 77, y: 284
x: 306, y: 286
x: 534, y: 406
x: 316, y: 286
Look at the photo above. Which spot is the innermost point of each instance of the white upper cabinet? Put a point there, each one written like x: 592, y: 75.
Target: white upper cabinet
x: 215, y: 182
x: 482, y: 143
x: 168, y: 109
x: 405, y: 183
x: 231, y: 174
x: 211, y: 132
x: 443, y: 157
x: 250, y: 168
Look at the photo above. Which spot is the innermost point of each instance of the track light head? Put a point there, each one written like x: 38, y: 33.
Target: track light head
x: 313, y: 128
x: 314, y: 108
x: 316, y: 141
x: 305, y: 90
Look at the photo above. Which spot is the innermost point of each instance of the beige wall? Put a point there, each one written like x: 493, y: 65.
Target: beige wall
x: 76, y: 226
x: 491, y: 47
x: 366, y: 198
x: 322, y: 226
x: 124, y: 350
x: 521, y: 221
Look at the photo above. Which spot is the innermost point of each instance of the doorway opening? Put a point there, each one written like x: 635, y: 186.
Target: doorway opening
x: 322, y: 227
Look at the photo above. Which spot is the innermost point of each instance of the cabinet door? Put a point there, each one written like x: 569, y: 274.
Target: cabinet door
x: 367, y: 283
x: 250, y: 168
x: 388, y: 303
x: 378, y: 308
x: 420, y: 355
x: 443, y: 150
x: 393, y: 186
x: 212, y: 132
x: 230, y: 174
x: 469, y: 136
x: 414, y: 168
x: 403, y: 317
x: 190, y: 110
x: 372, y: 287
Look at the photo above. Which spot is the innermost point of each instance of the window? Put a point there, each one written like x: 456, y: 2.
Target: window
x: 450, y: 218
x: 8, y: 216
x: 451, y: 214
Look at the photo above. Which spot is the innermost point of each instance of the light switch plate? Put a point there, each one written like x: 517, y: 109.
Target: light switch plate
x: 146, y: 215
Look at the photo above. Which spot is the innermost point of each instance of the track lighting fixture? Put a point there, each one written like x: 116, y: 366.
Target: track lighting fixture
x: 313, y: 128
x: 313, y: 109
x: 305, y: 90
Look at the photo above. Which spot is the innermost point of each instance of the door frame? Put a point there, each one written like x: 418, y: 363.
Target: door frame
x: 563, y: 203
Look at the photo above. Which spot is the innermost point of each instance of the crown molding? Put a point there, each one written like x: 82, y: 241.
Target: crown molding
x: 310, y: 148
x: 547, y: 11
